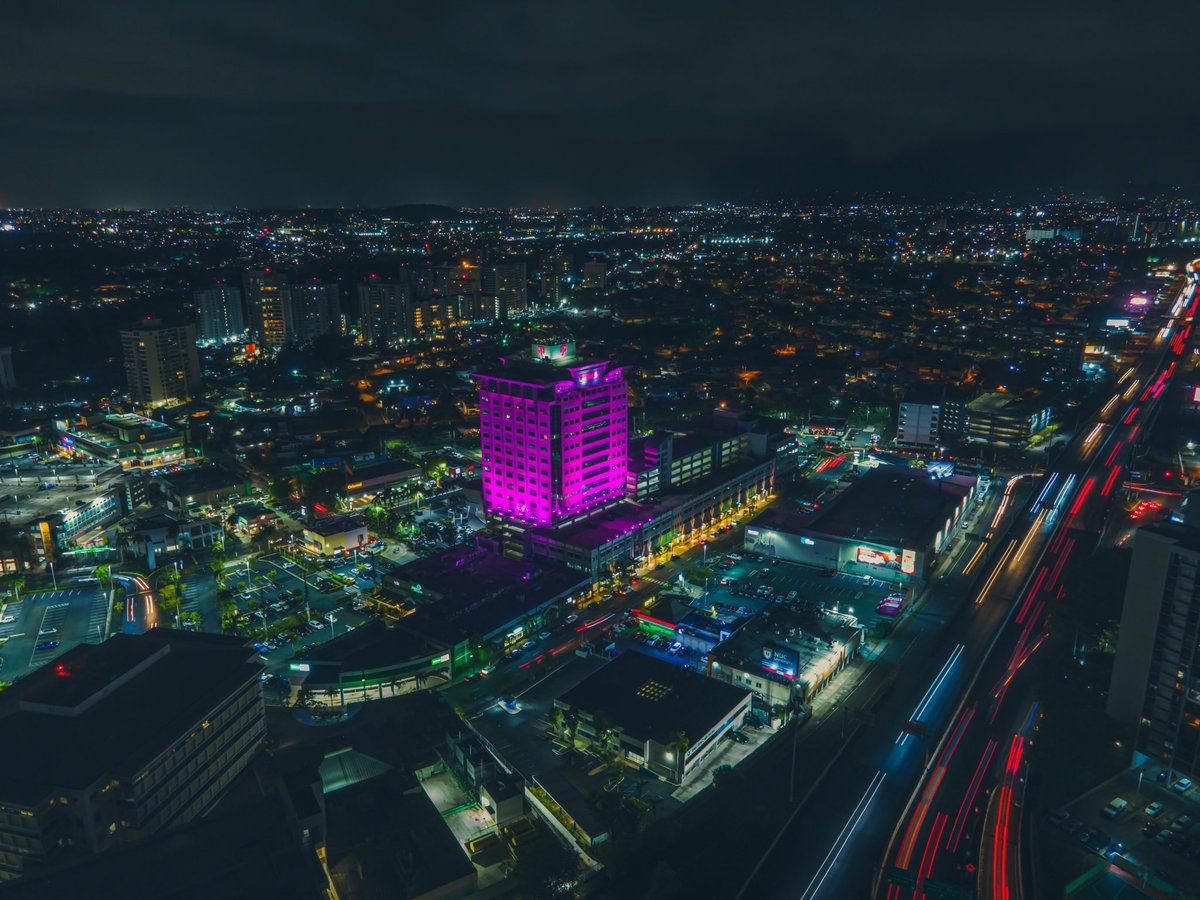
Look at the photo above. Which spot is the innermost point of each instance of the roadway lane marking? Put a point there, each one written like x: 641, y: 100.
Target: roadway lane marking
x: 843, y: 838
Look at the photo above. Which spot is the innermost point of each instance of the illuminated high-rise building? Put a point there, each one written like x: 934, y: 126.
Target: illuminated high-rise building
x: 314, y: 310
x: 555, y: 438
x: 268, y: 306
x: 161, y: 363
x: 508, y: 284
x: 219, y: 313
x: 383, y: 311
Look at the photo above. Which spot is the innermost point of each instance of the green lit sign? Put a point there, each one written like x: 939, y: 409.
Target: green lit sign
x: 438, y: 660
x: 299, y: 667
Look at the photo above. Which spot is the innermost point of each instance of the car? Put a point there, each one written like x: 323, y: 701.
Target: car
x: 7, y: 620
x: 1154, y: 809
x: 1180, y: 824
x: 487, y: 670
x: 1072, y: 826
x: 1164, y: 837
x: 46, y: 645
x: 314, y: 624
x: 675, y: 647
x: 1085, y: 836
x: 572, y: 619
x: 528, y: 645
x: 1058, y: 816
x: 1182, y: 786
x: 515, y: 652
x: 1150, y: 829
x: 738, y: 737
x: 543, y: 636
x: 47, y: 631
x: 635, y: 581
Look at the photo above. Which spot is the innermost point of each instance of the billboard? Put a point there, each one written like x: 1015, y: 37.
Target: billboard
x: 869, y: 556
x: 940, y: 468
x: 1116, y: 323
x: 908, y: 562
x: 781, y: 660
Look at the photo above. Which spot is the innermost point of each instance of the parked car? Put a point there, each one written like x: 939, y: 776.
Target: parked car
x: 1182, y: 786
x: 1154, y: 809
x: 738, y: 737
x: 1150, y: 829
x: 46, y: 645
x: 1059, y: 816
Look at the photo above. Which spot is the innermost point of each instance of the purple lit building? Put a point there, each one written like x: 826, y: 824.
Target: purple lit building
x: 555, y: 439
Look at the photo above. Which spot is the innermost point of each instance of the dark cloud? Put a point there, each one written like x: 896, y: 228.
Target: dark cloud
x: 280, y: 103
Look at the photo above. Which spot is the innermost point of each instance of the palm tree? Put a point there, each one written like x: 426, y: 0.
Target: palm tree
x: 679, y: 745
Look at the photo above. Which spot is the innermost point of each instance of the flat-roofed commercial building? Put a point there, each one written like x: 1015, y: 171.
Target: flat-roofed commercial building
x: 665, y: 718
x: 1005, y: 419
x: 783, y: 656
x: 890, y: 524
x: 114, y: 742
x: 337, y: 534
x: 132, y: 441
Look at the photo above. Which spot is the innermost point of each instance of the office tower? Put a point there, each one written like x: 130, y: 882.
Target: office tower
x: 507, y: 283
x: 595, y: 273
x: 383, y: 312
x: 1156, y: 674
x: 161, y: 363
x: 267, y: 306
x: 315, y: 310
x: 118, y: 741
x: 219, y: 313
x: 555, y: 439
x: 8, y: 378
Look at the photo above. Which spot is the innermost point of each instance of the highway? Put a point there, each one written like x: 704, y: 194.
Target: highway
x: 897, y: 814
x: 960, y: 830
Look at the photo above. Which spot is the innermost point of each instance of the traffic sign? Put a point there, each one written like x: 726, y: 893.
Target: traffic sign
x: 901, y: 877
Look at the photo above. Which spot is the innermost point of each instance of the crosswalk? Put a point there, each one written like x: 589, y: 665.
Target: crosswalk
x: 97, y: 616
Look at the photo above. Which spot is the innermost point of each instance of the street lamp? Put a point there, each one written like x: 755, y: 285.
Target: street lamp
x: 332, y: 633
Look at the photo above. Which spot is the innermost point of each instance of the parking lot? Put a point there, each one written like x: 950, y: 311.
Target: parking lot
x: 751, y: 584
x: 269, y: 593
x: 43, y: 625
x: 1155, y: 825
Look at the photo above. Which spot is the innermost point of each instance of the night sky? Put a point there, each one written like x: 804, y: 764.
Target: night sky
x: 507, y: 102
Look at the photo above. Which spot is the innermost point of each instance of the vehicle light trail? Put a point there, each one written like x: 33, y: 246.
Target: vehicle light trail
x: 1030, y: 535
x: 1041, y: 494
x: 1113, y: 453
x: 931, y: 849
x: 974, y: 559
x: 1131, y: 415
x: 1132, y: 389
x: 902, y: 738
x: 1110, y: 481
x: 1008, y: 551
x: 843, y: 838
x: 964, y: 810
